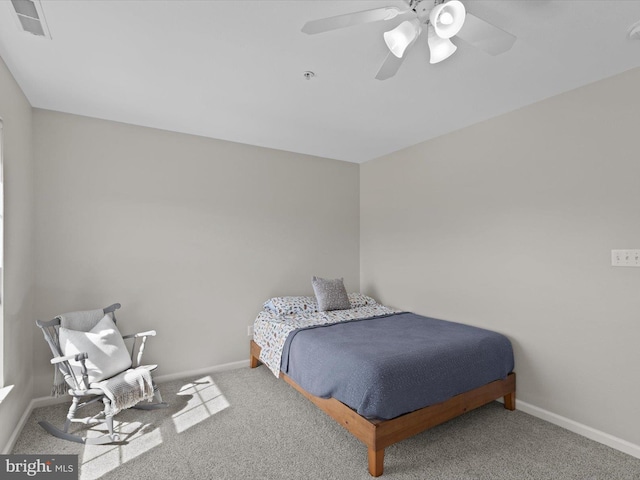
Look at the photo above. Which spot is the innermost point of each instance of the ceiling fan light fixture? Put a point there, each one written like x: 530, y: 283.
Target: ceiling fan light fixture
x: 439, y: 48
x: 443, y: 19
x: 401, y: 37
x: 447, y: 18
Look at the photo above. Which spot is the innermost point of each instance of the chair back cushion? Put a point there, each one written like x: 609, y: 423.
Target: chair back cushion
x: 104, y: 345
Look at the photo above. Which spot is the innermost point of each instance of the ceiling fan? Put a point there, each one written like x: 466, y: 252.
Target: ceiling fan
x: 442, y: 19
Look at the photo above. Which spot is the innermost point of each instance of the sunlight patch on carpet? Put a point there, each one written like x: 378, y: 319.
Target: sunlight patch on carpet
x: 206, y: 400
x: 97, y: 460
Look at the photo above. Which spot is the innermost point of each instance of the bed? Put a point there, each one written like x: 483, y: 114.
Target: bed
x: 382, y: 374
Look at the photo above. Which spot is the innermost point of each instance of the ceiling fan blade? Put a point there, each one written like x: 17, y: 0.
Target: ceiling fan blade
x: 485, y: 36
x: 350, y: 19
x: 389, y: 67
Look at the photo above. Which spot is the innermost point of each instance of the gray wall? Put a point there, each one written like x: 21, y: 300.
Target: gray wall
x: 18, y: 299
x: 190, y: 234
x: 509, y: 224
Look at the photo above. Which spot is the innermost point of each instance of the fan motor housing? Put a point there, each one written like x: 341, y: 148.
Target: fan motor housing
x: 423, y: 8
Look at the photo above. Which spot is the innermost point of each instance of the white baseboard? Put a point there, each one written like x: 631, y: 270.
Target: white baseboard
x: 575, y: 427
x: 16, y: 431
x: 47, y: 401
x: 201, y: 371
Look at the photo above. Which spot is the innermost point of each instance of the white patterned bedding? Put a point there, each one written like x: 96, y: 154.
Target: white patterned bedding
x: 270, y: 330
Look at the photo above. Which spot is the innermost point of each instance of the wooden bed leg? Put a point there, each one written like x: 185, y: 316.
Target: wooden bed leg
x: 253, y: 362
x: 376, y: 461
x: 254, y: 354
x: 510, y: 401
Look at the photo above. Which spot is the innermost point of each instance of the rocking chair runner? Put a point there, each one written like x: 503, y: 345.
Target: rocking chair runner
x: 124, y: 389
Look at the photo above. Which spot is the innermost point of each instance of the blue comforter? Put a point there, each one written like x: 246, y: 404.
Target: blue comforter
x: 383, y: 367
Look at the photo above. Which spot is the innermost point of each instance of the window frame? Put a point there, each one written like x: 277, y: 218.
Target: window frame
x: 2, y: 376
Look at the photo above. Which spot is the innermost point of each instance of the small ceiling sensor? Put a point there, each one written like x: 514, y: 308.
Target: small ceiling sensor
x: 634, y: 31
x: 308, y: 75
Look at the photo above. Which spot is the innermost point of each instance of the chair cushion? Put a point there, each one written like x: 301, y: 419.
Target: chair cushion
x: 107, y: 352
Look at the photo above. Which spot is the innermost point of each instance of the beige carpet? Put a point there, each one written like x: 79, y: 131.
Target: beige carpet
x: 246, y: 424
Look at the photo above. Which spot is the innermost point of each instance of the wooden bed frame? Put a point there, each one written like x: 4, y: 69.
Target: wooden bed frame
x: 379, y: 434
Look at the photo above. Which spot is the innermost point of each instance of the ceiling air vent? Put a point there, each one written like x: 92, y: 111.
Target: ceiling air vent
x: 31, y: 17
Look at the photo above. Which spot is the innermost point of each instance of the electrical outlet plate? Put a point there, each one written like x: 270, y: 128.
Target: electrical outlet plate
x: 625, y: 258
x: 250, y: 331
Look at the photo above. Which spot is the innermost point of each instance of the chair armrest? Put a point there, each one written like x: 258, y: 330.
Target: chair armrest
x: 78, y: 357
x: 137, y: 359
x: 150, y: 333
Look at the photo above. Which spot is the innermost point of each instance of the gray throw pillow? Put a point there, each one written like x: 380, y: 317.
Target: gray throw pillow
x: 330, y: 294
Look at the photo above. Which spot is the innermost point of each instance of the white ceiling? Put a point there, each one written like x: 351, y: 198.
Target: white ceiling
x: 233, y: 70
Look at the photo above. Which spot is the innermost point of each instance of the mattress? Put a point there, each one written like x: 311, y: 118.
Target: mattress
x: 390, y: 364
x: 271, y: 328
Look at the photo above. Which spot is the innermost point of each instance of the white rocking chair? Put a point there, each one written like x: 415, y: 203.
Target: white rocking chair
x: 90, y: 377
